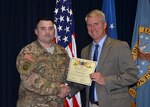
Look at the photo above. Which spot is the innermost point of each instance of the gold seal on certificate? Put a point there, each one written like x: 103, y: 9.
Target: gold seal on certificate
x: 79, y: 70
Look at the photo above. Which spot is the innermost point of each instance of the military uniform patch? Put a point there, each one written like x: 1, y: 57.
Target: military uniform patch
x: 26, y: 66
x: 26, y: 63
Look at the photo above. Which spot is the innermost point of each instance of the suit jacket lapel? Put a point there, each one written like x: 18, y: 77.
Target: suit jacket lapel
x: 104, y: 52
x: 88, y: 53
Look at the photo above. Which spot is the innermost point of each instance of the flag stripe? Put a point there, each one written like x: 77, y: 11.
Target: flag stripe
x: 65, y: 36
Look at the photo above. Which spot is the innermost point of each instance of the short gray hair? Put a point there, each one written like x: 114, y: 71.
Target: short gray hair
x: 94, y: 13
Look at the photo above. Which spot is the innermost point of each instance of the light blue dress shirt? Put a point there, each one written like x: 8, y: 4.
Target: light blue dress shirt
x: 101, y: 42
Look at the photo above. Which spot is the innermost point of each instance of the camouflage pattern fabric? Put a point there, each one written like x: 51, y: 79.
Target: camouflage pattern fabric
x: 41, y: 73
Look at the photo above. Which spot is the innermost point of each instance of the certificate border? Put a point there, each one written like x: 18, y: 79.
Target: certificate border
x: 80, y: 62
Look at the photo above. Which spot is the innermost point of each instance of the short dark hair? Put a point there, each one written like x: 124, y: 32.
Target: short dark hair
x: 45, y: 19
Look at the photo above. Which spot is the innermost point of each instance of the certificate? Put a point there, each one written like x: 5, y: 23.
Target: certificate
x: 79, y: 70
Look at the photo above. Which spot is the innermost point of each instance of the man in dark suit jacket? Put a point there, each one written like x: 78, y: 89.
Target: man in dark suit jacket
x: 115, y: 71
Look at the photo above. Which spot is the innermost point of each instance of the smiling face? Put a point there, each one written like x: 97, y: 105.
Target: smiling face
x: 45, y: 32
x: 96, y: 28
x: 96, y: 25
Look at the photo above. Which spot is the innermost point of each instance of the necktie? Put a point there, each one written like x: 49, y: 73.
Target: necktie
x: 91, y: 94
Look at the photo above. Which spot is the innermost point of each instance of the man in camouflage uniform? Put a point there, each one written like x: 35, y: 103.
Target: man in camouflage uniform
x: 43, y: 66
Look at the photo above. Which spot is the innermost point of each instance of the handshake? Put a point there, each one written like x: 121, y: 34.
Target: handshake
x: 65, y: 89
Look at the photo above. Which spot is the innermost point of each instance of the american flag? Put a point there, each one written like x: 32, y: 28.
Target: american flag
x: 65, y: 36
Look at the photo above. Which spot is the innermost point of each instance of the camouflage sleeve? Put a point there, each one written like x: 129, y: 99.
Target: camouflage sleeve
x: 39, y: 85
x: 31, y: 80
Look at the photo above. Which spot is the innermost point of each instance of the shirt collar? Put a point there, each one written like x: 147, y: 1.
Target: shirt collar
x: 101, y: 42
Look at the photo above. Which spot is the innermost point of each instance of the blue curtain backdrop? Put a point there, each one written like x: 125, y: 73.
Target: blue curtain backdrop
x: 17, y: 20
